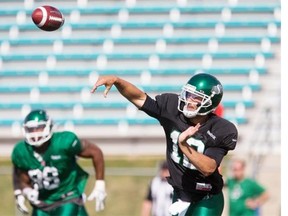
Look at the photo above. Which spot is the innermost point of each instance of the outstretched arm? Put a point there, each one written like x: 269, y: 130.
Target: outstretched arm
x: 127, y: 89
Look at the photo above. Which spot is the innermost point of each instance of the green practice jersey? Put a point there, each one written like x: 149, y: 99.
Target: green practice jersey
x: 56, y: 172
x: 239, y: 191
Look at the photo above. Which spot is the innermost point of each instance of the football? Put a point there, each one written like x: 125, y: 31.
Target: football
x: 48, y: 18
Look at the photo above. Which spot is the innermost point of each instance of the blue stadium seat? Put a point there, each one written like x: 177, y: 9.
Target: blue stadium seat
x: 143, y: 9
x: 110, y: 121
x: 153, y: 24
x: 130, y: 71
x: 140, y: 55
x: 149, y: 88
x: 97, y: 104
x: 8, y: 70
x: 142, y: 40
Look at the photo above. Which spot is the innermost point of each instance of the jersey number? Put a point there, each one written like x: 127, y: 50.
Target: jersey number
x: 177, y: 156
x: 47, y: 179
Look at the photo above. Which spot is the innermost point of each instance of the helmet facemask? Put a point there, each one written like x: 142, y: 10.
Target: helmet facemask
x: 191, y: 97
x: 37, y: 132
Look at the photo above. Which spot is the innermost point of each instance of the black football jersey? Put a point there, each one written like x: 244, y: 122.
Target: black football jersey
x: 214, y: 139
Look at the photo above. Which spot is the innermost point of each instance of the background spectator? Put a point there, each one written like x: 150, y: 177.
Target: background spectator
x: 159, y: 194
x: 246, y: 195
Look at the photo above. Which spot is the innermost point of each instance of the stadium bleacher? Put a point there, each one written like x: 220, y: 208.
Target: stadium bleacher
x: 149, y: 42
x: 157, y: 45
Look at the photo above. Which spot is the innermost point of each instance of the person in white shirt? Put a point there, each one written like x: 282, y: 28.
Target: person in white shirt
x: 159, y: 194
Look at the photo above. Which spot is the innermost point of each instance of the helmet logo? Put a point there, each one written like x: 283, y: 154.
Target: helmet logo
x: 217, y: 89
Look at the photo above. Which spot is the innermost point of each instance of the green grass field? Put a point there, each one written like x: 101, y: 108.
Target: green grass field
x: 126, y: 179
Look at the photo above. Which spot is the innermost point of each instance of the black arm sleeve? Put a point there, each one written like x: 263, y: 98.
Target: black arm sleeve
x: 216, y: 153
x: 151, y: 107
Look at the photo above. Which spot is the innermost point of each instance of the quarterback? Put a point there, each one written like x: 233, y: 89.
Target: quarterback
x: 196, y: 139
x: 46, y: 171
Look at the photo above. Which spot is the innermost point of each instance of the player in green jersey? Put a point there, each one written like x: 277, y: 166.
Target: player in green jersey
x: 245, y: 194
x: 46, y: 170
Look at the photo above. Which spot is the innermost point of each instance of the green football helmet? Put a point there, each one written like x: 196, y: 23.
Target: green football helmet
x: 205, y: 89
x: 37, y: 127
